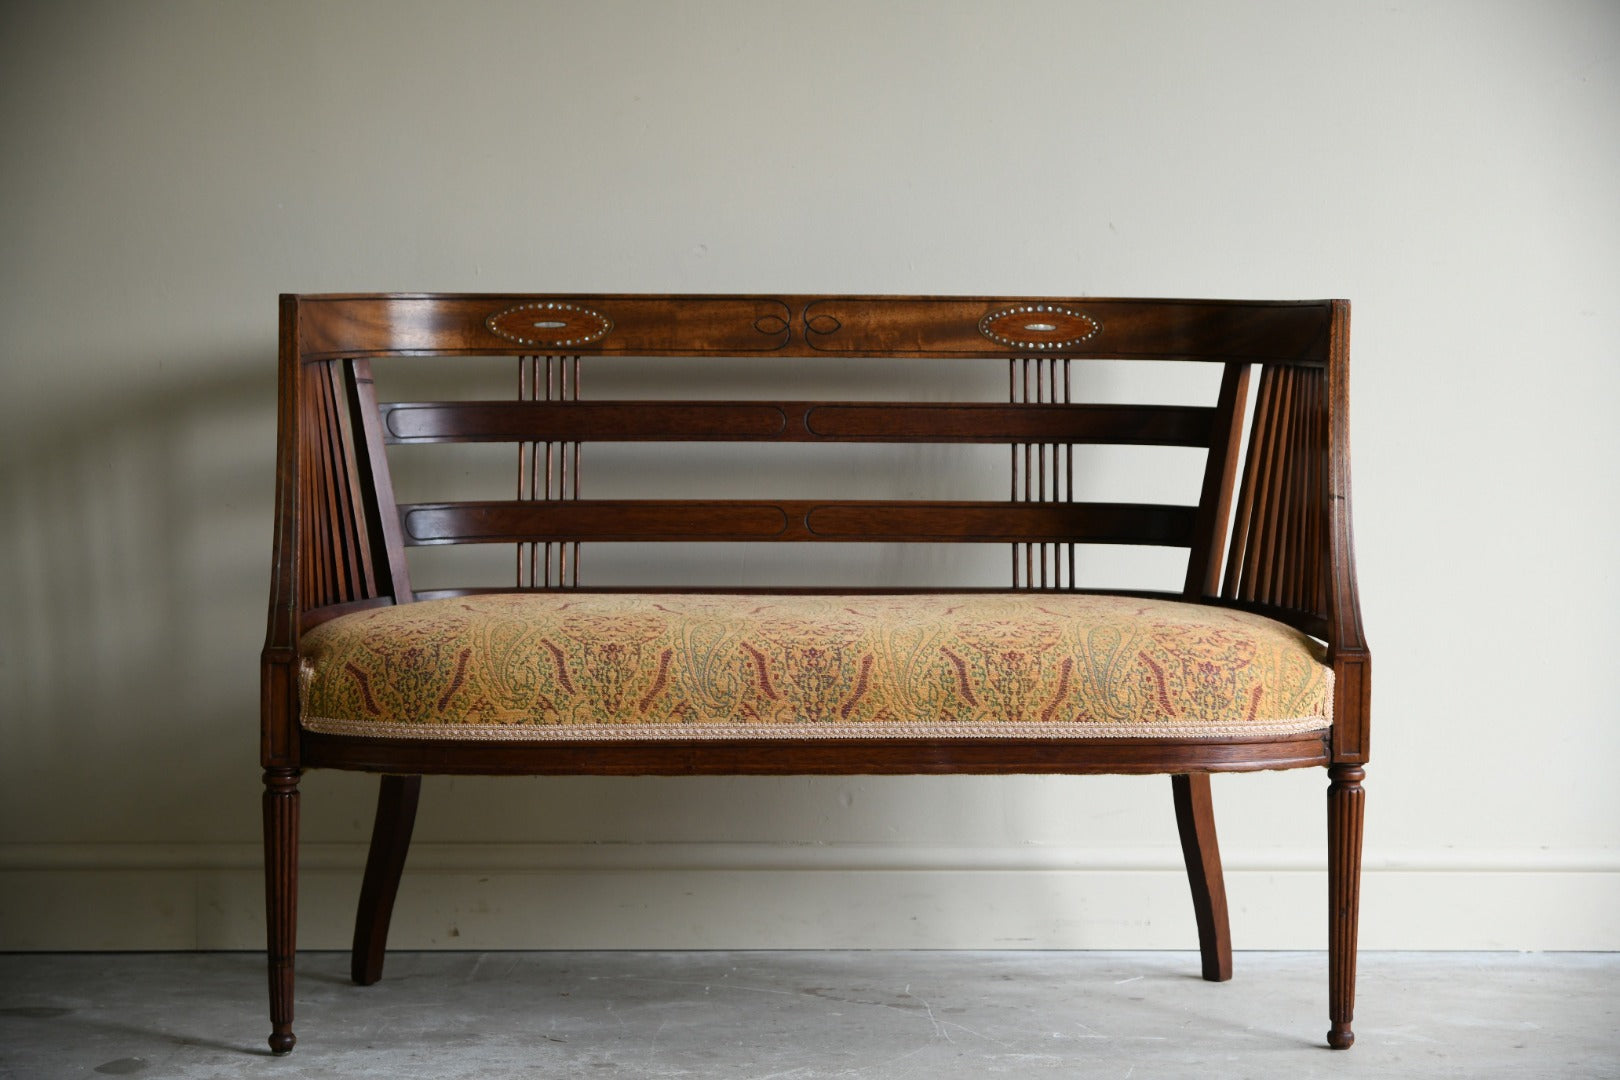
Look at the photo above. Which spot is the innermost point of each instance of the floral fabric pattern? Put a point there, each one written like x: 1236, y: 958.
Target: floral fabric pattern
x: 583, y: 665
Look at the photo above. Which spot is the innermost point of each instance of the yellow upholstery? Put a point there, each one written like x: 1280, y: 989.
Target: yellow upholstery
x: 582, y: 665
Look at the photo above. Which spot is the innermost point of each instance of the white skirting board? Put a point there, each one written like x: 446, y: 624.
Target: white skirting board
x: 743, y: 896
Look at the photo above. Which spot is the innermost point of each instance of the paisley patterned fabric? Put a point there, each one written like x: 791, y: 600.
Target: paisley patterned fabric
x: 620, y: 666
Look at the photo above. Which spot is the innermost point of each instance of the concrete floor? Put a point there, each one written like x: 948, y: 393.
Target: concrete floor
x: 806, y: 1015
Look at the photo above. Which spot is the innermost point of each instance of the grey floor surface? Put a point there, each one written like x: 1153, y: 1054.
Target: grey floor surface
x: 805, y: 1015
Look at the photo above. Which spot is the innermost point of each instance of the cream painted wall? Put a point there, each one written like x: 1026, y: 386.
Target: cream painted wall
x: 169, y: 167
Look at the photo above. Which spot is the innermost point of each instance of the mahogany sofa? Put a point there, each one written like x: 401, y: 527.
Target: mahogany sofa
x: 1255, y: 659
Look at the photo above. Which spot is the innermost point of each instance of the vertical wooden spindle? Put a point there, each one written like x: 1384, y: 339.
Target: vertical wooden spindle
x: 577, y: 446
x: 1069, y: 465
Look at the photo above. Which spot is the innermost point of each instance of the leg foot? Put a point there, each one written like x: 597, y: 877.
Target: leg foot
x: 1346, y: 802
x: 1195, y: 818
x: 390, y: 841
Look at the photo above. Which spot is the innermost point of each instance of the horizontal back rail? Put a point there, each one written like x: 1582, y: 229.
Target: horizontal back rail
x: 795, y: 421
x: 698, y: 520
x: 755, y: 590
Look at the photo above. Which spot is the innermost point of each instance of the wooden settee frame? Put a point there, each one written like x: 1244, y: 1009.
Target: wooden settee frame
x: 1270, y: 533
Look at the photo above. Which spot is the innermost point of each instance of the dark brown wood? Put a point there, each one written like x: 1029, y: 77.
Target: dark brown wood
x: 793, y: 520
x: 278, y: 731
x: 1195, y: 820
x: 281, y: 632
x: 1346, y: 804
x: 1308, y: 622
x: 335, y: 326
x: 397, y: 797
x: 1276, y: 580
x: 1352, y: 702
x: 808, y: 757
x: 341, y: 541
x: 339, y: 326
x: 1278, y: 552
x: 278, y: 719
x: 784, y: 590
x: 315, y: 616
x: 337, y: 551
x: 356, y: 530
x: 1313, y: 595
x: 552, y: 386
x: 982, y: 422
x: 1287, y: 577
x: 383, y: 523
x: 1220, y: 470
x: 327, y: 555
x: 312, y: 543
x: 1269, y: 495
x: 1040, y: 472
x: 1347, y: 645
x: 792, y: 421
x: 1237, y: 549
x: 1161, y: 329
x: 281, y: 899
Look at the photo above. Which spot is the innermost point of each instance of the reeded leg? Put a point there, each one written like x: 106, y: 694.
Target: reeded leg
x: 1345, y: 804
x: 390, y: 840
x: 281, y: 899
x: 1195, y: 818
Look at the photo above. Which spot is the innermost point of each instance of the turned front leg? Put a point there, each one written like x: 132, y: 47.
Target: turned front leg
x: 281, y: 899
x: 1345, y: 804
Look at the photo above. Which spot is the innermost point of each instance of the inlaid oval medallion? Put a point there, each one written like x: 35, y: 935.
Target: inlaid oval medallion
x: 550, y: 323
x: 1040, y: 327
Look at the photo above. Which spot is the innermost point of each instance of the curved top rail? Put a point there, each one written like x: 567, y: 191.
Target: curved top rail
x: 351, y: 325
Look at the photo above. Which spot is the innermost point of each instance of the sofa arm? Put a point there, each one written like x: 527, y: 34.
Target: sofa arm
x: 1291, y: 553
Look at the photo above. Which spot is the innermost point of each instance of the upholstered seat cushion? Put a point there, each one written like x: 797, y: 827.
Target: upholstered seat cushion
x: 582, y: 665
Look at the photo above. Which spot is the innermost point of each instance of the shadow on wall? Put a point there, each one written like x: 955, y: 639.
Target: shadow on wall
x: 136, y: 531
